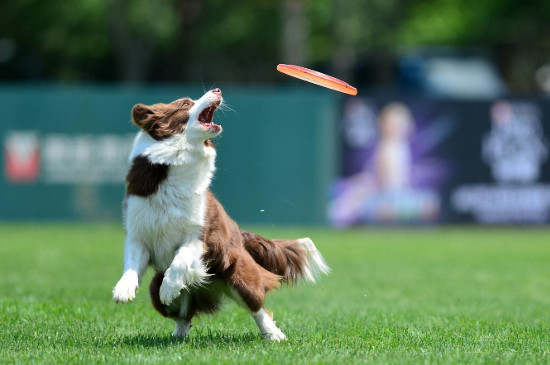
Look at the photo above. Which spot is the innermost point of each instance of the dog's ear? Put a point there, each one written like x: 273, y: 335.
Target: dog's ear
x: 141, y: 114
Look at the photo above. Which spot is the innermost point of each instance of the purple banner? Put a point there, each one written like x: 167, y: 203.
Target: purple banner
x: 408, y: 160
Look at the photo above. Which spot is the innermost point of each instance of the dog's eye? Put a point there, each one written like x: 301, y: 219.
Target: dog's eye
x: 185, y: 103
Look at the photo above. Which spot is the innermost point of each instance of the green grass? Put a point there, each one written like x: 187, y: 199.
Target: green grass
x: 452, y: 295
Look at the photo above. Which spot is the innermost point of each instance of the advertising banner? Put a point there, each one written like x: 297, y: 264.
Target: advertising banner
x: 422, y: 161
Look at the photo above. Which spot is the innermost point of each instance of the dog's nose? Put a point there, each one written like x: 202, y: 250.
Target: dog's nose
x: 217, y: 91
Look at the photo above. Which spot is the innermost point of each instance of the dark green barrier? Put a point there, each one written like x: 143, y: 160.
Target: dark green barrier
x: 65, y: 147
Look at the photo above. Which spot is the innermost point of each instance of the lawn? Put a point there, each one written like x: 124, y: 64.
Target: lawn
x: 446, y: 295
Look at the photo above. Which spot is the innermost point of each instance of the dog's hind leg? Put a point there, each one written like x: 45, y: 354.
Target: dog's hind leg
x: 262, y: 317
x: 183, y: 327
x: 179, y: 310
x: 183, y: 319
x: 188, y: 304
x: 249, y: 283
x: 267, y: 326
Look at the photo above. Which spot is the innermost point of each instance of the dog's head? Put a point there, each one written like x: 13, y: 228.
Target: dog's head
x: 192, y: 117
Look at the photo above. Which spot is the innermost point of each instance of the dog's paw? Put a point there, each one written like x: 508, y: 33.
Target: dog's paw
x: 125, y: 289
x: 170, y: 288
x: 195, y: 275
x: 182, y: 328
x: 274, y: 334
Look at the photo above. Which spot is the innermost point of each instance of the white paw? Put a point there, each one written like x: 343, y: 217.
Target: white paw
x: 177, y: 279
x: 170, y: 289
x: 125, y: 289
x: 195, y: 274
x: 274, y: 334
x: 182, y: 329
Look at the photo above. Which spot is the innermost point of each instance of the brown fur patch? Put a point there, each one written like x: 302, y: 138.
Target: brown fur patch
x: 228, y: 260
x: 203, y: 300
x: 154, y: 292
x: 209, y: 143
x: 144, y: 177
x: 162, y: 120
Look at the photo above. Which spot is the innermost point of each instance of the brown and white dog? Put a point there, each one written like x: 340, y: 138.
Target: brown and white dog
x: 175, y: 224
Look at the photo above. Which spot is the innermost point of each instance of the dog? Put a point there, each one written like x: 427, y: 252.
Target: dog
x: 175, y: 224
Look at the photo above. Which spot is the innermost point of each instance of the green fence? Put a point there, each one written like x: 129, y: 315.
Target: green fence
x: 65, y: 151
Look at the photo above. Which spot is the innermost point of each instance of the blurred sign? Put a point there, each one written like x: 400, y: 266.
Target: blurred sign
x: 66, y: 158
x: 408, y: 160
x: 514, y: 149
x: 85, y: 158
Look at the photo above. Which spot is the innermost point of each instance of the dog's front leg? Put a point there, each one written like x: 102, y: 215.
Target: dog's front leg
x: 187, y: 269
x: 136, y: 259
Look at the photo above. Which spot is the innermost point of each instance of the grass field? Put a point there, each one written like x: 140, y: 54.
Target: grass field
x: 452, y: 295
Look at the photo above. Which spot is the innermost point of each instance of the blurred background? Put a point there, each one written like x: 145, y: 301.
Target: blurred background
x: 450, y: 124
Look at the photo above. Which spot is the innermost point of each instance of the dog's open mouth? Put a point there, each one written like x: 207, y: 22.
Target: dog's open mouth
x: 206, y: 116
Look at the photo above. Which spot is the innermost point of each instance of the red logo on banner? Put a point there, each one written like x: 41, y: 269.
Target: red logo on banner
x: 21, y: 157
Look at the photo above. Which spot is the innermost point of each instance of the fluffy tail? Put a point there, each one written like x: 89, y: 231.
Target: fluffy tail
x: 292, y: 260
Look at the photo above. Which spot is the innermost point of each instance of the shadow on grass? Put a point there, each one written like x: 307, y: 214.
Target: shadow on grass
x: 199, y: 339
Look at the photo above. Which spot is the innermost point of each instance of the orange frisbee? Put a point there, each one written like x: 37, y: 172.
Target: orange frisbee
x: 317, y: 78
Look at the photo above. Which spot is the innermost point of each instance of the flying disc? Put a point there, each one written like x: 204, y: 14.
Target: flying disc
x: 317, y: 78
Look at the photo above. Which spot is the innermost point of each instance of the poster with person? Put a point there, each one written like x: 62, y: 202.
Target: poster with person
x: 392, y: 165
x: 418, y: 160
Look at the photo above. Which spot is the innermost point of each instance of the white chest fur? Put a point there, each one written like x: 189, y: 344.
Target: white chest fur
x: 164, y: 221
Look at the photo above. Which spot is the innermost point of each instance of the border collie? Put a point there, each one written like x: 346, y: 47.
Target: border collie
x: 175, y: 224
